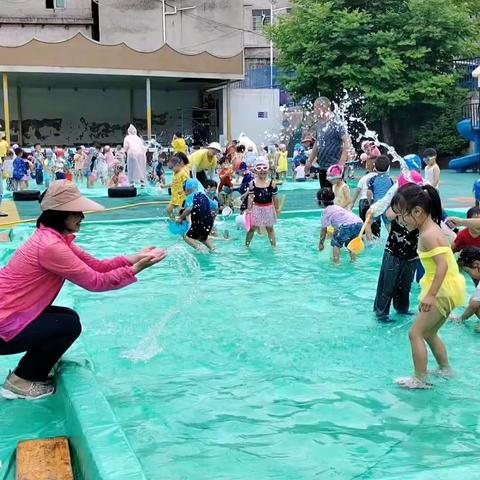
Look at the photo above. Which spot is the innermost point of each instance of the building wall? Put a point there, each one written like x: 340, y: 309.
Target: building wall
x: 256, y: 39
x: 94, y: 115
x: 248, y: 109
x: 213, y: 25
x: 33, y: 20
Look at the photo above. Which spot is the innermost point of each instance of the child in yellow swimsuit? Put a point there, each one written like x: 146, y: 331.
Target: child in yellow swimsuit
x: 282, y: 168
x: 443, y: 287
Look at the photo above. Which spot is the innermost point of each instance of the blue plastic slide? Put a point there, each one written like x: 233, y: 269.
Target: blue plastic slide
x: 471, y: 161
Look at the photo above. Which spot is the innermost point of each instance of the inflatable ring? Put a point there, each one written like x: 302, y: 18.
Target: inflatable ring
x: 117, y: 192
x: 26, y: 195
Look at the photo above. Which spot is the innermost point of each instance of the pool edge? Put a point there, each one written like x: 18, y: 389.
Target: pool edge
x: 99, y: 445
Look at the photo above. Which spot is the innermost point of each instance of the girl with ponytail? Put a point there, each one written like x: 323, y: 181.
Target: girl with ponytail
x: 442, y: 286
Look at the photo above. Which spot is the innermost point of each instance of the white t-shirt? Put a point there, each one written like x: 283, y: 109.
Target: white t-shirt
x: 363, y: 185
x: 299, y: 172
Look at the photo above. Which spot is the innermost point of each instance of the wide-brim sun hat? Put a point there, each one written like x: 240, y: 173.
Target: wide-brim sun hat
x: 64, y: 196
x: 215, y: 146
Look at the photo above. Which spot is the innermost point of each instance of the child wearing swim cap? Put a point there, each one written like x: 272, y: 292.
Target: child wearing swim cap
x: 199, y: 207
x: 262, y: 202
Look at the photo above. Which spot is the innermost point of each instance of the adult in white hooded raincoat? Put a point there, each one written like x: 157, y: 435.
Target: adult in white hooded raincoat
x: 136, y: 156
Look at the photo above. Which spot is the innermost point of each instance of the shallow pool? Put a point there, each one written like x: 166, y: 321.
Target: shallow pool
x: 269, y: 365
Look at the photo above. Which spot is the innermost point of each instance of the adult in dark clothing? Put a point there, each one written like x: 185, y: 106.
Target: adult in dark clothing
x: 331, y: 143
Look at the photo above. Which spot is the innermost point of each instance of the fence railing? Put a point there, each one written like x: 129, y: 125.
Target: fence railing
x: 468, y: 65
x: 471, y: 110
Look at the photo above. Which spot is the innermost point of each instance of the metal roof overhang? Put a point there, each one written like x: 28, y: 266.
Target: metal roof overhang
x: 83, y: 56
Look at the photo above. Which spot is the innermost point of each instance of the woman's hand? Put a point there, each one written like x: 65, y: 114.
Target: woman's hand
x: 149, y: 261
x: 144, y: 252
x: 426, y: 303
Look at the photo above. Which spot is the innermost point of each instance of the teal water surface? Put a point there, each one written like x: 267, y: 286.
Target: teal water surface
x: 270, y: 365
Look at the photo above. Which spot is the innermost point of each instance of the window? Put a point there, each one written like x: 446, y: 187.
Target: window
x: 260, y: 18
x: 54, y: 4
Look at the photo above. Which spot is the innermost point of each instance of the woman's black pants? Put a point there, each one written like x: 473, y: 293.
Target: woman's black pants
x: 44, y: 340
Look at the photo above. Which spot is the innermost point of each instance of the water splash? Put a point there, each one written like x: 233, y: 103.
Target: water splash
x: 186, y: 266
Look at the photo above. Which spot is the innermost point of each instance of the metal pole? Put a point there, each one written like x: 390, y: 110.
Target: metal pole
x: 229, y: 113
x: 271, y: 46
x: 149, y: 111
x: 20, y: 115
x: 164, y: 23
x: 6, y: 109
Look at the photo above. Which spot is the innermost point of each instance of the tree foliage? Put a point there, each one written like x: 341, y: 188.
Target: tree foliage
x: 393, y: 52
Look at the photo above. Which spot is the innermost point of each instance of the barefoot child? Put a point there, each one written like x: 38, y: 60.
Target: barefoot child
x: 443, y: 287
x: 432, y: 170
x: 469, y: 262
x: 339, y: 187
x: 199, y: 207
x: 347, y: 225
x: 262, y: 202
x: 180, y: 176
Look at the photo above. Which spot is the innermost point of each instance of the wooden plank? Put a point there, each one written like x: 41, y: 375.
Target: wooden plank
x: 44, y: 459
x: 10, y: 208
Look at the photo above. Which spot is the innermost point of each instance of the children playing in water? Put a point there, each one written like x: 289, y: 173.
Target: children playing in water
x: 263, y: 206
x: 346, y: 224
x: 339, y: 187
x: 469, y: 236
x: 180, y: 176
x: 199, y: 207
x: 118, y: 179
x: 469, y: 262
x: 282, y: 167
x: 432, y: 170
x: 377, y: 188
x: 398, y: 266
x: 442, y: 286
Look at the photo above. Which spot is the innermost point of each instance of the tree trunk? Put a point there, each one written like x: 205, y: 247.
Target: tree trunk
x: 387, y: 131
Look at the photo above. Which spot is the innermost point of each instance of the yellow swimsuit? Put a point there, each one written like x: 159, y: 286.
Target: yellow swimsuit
x: 452, y: 292
x: 282, y: 162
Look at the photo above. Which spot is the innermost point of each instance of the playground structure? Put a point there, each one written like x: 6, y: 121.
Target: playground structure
x: 470, y: 130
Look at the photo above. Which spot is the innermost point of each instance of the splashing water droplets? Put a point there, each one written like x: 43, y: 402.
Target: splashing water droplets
x: 187, y: 268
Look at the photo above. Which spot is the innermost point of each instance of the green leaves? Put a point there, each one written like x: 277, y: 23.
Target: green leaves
x: 394, y: 52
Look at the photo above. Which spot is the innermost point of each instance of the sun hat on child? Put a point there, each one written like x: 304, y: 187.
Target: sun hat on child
x: 64, y: 196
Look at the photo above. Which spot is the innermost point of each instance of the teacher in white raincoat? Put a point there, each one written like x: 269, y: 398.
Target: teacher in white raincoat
x: 136, y: 157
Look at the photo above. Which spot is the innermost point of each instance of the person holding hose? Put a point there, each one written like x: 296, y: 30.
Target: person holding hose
x: 34, y: 276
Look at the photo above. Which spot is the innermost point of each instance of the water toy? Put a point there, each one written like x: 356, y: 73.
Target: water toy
x: 356, y: 245
x: 178, y: 228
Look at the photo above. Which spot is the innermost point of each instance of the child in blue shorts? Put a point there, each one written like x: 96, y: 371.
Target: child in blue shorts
x: 378, y: 186
x: 476, y: 192
x: 347, y: 225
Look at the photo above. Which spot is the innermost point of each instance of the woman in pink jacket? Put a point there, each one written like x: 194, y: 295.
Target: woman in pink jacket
x: 32, y: 279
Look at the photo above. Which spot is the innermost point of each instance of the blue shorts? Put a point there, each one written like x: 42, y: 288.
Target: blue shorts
x: 345, y: 233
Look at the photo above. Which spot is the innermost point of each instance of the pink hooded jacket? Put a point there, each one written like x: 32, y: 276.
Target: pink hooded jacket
x: 36, y: 272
